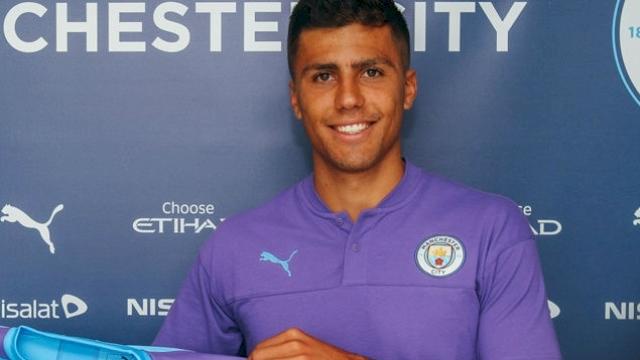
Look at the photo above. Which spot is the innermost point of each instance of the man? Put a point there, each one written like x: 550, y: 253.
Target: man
x: 369, y: 257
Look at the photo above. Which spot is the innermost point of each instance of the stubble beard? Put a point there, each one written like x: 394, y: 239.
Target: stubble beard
x: 353, y: 163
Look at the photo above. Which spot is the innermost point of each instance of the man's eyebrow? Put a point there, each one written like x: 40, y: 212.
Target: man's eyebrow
x: 319, y: 66
x: 371, y: 62
x: 355, y: 65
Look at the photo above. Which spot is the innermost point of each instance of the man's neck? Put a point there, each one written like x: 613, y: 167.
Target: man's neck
x: 355, y: 192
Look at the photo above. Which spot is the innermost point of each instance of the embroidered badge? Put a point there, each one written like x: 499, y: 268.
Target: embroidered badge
x: 267, y: 256
x: 440, y: 255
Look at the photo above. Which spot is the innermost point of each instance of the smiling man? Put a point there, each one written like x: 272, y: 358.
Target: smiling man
x: 369, y: 256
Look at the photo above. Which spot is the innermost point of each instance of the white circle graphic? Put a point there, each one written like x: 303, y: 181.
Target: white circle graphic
x: 626, y: 44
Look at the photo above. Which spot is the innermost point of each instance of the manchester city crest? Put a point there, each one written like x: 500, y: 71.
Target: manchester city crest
x: 440, y: 255
x: 626, y: 44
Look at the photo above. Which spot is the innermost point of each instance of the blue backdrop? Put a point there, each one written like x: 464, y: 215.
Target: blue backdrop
x: 151, y: 122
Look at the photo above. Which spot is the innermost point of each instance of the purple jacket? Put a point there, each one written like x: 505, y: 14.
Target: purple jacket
x: 436, y: 271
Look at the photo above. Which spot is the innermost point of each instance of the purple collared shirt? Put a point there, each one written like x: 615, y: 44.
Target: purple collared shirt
x: 436, y: 271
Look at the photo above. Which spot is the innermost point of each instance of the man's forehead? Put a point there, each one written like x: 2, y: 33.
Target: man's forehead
x: 346, y: 45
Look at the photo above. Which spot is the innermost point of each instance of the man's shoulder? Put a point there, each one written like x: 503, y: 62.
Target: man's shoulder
x: 280, y: 212
x: 458, y: 195
x: 483, y: 219
x: 463, y: 204
x: 230, y: 255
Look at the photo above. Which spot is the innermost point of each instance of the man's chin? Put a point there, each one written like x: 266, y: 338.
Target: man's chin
x: 353, y: 165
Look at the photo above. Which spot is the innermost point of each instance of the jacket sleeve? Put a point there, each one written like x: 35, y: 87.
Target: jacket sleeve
x: 199, y: 320
x: 514, y: 319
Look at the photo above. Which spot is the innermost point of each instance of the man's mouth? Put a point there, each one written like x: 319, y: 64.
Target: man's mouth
x: 352, y: 129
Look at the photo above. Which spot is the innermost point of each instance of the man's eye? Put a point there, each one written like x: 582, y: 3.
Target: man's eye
x: 322, y: 77
x: 373, y: 72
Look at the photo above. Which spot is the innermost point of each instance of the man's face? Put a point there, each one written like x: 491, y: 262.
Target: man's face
x: 350, y: 91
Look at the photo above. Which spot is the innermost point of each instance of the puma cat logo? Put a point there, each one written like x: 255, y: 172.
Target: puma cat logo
x: 13, y: 214
x: 267, y: 256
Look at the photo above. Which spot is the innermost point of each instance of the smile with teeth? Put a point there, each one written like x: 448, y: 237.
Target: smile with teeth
x: 352, y: 129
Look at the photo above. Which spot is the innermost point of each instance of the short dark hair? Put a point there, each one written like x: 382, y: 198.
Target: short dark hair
x: 314, y: 14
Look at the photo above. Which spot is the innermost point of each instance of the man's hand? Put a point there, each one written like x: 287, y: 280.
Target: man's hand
x: 295, y: 344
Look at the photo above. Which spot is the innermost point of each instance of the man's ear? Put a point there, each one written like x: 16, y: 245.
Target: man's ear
x: 293, y: 99
x: 410, y: 88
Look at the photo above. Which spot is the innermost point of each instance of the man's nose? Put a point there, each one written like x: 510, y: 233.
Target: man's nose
x: 349, y: 94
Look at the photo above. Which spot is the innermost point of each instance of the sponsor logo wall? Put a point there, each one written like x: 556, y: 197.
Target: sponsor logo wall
x: 129, y: 131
